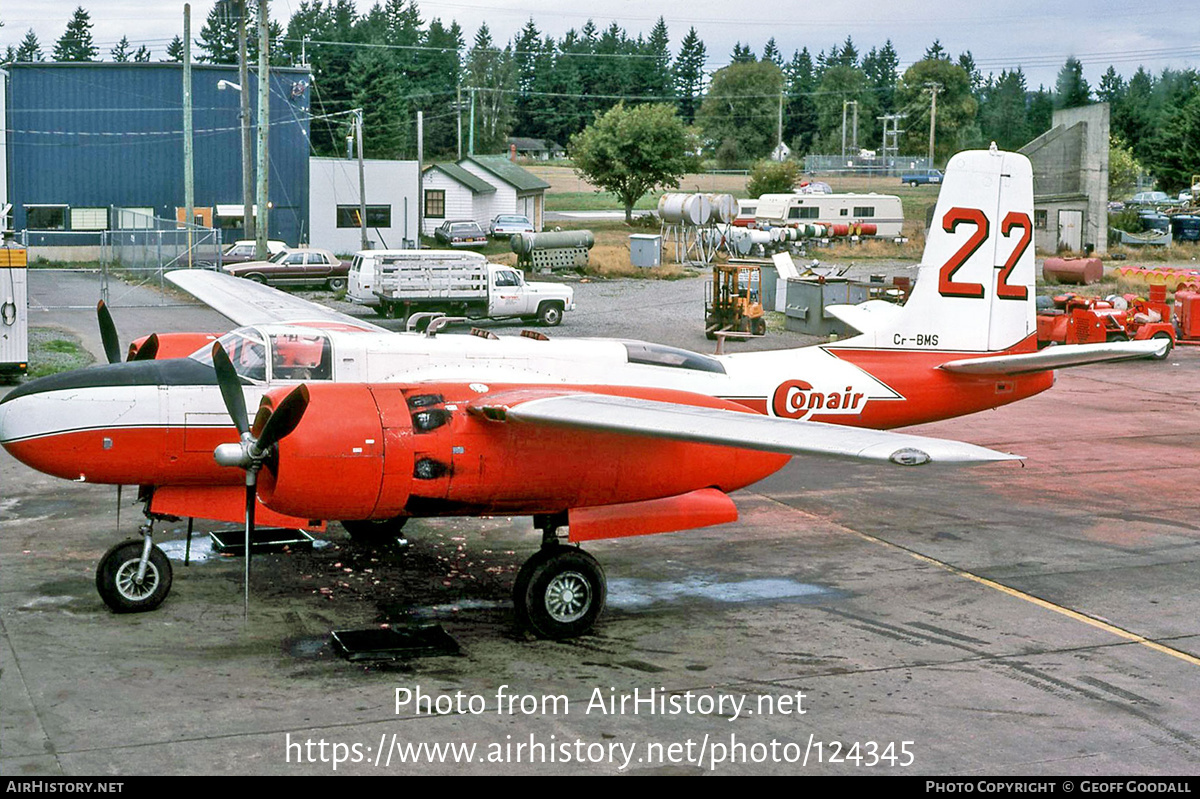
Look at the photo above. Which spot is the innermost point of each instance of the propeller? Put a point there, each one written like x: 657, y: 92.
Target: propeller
x: 108, y: 333
x: 251, y: 452
x: 112, y: 341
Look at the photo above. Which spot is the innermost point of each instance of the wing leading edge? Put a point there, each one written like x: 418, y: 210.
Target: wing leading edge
x: 680, y: 422
x: 248, y: 303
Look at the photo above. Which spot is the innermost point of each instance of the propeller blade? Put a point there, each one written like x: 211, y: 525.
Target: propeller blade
x: 231, y: 388
x: 149, y: 349
x: 283, y: 421
x: 108, y: 333
x: 251, y: 479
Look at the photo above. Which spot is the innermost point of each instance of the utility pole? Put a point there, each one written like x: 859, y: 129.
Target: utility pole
x: 244, y: 121
x: 854, y: 145
x: 846, y: 104
x: 780, y: 130
x: 420, y: 175
x: 934, y: 88
x: 458, y: 109
x: 362, y: 180
x: 189, y: 182
x: 264, y: 132
x: 471, y: 132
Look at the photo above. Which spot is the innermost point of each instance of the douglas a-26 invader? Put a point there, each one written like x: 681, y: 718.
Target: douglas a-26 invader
x: 605, y: 438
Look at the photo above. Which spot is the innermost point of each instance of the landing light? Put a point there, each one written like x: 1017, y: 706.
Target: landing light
x: 909, y: 457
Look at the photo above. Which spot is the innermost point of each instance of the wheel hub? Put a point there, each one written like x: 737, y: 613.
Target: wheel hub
x: 568, y: 597
x: 130, y: 587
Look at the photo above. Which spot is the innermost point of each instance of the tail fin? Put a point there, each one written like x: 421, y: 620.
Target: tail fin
x: 974, y: 291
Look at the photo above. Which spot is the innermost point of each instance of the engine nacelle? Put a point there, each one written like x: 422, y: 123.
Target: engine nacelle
x: 351, y: 456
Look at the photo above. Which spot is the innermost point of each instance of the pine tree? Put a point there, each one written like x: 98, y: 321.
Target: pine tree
x: 142, y: 56
x: 120, y: 53
x: 76, y: 43
x: 175, y: 50
x: 742, y: 54
x: 800, y: 113
x: 688, y: 73
x: 1071, y: 90
x: 881, y: 68
x: 936, y: 51
x: 219, y: 35
x: 29, y: 49
x: 771, y: 53
x: 492, y: 72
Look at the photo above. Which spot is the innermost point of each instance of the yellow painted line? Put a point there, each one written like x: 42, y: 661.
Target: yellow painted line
x: 1042, y: 603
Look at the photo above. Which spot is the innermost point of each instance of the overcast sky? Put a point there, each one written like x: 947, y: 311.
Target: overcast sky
x: 1037, y: 35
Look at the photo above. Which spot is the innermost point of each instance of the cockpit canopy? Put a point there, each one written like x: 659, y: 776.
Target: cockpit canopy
x: 291, y: 354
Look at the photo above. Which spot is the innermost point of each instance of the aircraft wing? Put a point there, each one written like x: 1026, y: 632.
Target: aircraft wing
x: 248, y: 303
x: 747, y: 430
x: 1060, y: 356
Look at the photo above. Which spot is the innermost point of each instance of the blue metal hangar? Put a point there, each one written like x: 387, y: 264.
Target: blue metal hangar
x: 99, y: 146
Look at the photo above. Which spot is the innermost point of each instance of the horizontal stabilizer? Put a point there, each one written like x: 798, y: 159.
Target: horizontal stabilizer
x: 1058, y: 357
x: 867, y: 316
x: 682, y: 422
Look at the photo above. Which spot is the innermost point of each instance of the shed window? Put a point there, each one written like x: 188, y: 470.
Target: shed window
x: 46, y: 217
x: 435, y: 203
x: 89, y: 219
x: 1039, y: 219
x: 377, y: 216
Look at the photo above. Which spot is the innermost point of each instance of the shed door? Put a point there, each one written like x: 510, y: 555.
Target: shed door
x: 1070, y: 229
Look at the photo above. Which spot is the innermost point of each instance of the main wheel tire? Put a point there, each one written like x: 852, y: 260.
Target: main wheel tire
x: 1170, y: 345
x: 559, y: 592
x: 116, y: 578
x: 550, y: 314
x: 374, y: 531
x: 337, y: 283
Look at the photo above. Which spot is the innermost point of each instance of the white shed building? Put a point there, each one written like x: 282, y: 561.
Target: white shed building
x: 391, y: 199
x: 453, y: 193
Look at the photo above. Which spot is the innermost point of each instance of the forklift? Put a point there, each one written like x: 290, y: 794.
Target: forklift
x: 733, y: 302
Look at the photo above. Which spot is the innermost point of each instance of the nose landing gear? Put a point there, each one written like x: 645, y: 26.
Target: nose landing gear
x: 134, y: 576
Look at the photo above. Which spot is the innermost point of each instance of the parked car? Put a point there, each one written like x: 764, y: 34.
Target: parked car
x: 1152, y: 198
x: 922, y: 177
x: 507, y: 225
x: 303, y: 267
x: 243, y: 251
x: 461, y: 233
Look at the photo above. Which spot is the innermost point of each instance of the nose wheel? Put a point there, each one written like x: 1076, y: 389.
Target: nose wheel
x: 134, y: 576
x: 559, y: 592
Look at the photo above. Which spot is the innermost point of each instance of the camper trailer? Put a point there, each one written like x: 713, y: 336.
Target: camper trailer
x: 787, y: 210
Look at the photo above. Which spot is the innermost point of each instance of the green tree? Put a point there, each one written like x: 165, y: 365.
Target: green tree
x: 121, y: 53
x: 142, y: 56
x: 688, y: 73
x: 839, y: 84
x: 799, y: 111
x: 1123, y: 168
x: 742, y: 105
x: 882, y: 69
x: 76, y: 43
x: 376, y: 88
x: 772, y: 177
x: 771, y: 53
x: 1002, y: 116
x: 175, y: 50
x: 1177, y: 145
x: 219, y: 34
x: 956, y: 107
x: 630, y: 151
x: 1071, y: 90
x: 492, y: 73
x: 30, y: 49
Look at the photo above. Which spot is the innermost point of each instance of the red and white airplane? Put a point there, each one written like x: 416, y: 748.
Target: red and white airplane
x: 606, y: 438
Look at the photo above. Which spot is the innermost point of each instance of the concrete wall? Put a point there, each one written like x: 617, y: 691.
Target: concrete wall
x: 334, y: 182
x: 1070, y: 170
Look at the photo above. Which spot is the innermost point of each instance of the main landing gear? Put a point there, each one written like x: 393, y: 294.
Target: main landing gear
x: 134, y: 576
x: 560, y: 591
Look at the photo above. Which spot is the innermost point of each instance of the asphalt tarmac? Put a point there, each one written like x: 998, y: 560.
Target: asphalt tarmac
x: 1005, y: 619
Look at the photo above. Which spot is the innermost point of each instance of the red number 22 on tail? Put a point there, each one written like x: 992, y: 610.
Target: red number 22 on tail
x: 949, y: 287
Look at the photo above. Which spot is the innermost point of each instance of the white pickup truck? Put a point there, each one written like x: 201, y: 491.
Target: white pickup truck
x: 399, y: 283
